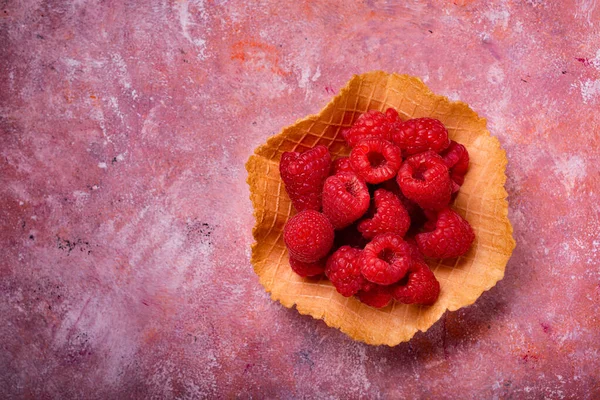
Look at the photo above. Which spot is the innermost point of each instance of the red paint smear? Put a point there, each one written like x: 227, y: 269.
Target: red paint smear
x: 585, y: 61
x: 528, y: 356
x: 462, y: 2
x: 248, y: 50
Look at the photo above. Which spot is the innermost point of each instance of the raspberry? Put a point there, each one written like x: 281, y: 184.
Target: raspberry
x: 421, y: 286
x: 424, y: 179
x: 345, y: 199
x: 344, y: 272
x: 307, y: 269
x: 341, y: 165
x: 419, y: 135
x: 375, y: 160
x: 373, y: 123
x: 386, y: 259
x: 349, y: 236
x: 391, y: 186
x: 415, y: 253
x: 456, y: 158
x: 375, y: 295
x: 411, y: 207
x: 308, y: 236
x: 390, y: 216
x: 451, y: 237
x: 303, y: 175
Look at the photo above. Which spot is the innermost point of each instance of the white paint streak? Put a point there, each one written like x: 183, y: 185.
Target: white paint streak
x: 498, y: 17
x: 70, y: 62
x: 114, y: 103
x: 495, y: 74
x: 122, y: 70
x: 97, y: 115
x: 585, y: 8
x: 317, y: 74
x: 186, y: 23
x: 572, y: 170
x: 102, y: 165
x: 80, y: 198
x: 590, y: 90
x: 304, y: 75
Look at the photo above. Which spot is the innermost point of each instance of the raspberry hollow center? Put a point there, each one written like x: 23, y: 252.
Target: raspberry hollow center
x: 419, y: 173
x: 376, y: 159
x: 352, y: 187
x: 387, y: 255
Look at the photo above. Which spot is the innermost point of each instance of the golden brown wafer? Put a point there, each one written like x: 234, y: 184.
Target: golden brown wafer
x: 481, y: 200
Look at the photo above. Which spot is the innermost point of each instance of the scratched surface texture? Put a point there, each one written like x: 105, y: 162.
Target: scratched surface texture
x: 125, y: 223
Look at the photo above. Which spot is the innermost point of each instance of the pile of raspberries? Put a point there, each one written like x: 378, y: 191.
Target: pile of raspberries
x: 368, y: 220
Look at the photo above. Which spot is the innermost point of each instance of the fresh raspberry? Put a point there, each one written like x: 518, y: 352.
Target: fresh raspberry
x: 375, y: 160
x: 415, y: 253
x: 345, y: 199
x: 375, y: 295
x: 390, y: 216
x: 307, y: 269
x: 419, y: 135
x: 456, y: 158
x: 391, y: 186
x: 350, y: 236
x: 303, y: 175
x: 386, y: 259
x: 373, y: 123
x: 341, y: 165
x: 308, y: 236
x: 344, y: 272
x: 451, y: 237
x: 424, y: 179
x: 421, y: 286
x: 411, y: 207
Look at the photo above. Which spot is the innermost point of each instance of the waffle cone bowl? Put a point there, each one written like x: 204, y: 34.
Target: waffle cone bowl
x: 481, y: 200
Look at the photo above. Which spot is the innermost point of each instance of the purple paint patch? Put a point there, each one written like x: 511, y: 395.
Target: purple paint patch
x: 545, y: 327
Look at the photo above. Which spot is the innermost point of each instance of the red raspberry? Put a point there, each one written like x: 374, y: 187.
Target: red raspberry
x: 456, y: 158
x: 350, y: 236
x: 307, y: 269
x: 386, y: 259
x: 375, y: 160
x: 411, y: 207
x: 308, y: 236
x: 451, y: 237
x: 375, y: 295
x: 345, y: 199
x: 419, y: 135
x: 344, y: 272
x: 391, y: 186
x: 415, y: 253
x: 341, y: 165
x: 373, y: 123
x: 424, y: 179
x: 303, y: 175
x: 421, y: 286
x: 390, y: 216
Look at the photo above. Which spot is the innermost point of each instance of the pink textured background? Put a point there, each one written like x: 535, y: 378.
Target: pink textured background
x: 126, y: 225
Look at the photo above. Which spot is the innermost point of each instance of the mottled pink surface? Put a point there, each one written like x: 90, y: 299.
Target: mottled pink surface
x: 126, y: 225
